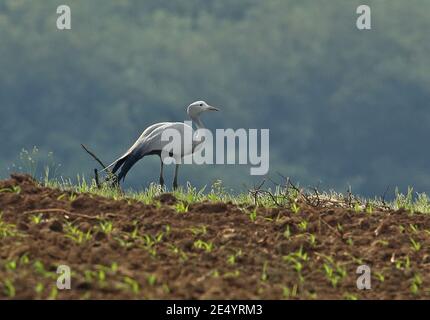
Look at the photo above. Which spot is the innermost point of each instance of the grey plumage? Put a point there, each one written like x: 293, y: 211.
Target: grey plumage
x: 150, y: 143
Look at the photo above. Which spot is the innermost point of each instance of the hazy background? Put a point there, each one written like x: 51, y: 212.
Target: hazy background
x: 344, y: 107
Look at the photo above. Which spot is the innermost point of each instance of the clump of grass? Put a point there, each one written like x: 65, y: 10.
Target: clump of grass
x: 36, y: 218
x: 334, y: 272
x: 416, y: 284
x: 289, y: 293
x: 200, y: 244
x: 416, y: 246
x: 199, y: 230
x: 131, y: 284
x: 7, y: 229
x: 231, y: 259
x: 77, y: 235
x: 13, y: 189
x: 152, y: 280
x: 264, y: 275
x: 106, y: 226
x: 253, y: 215
x: 9, y: 288
x: 181, y: 207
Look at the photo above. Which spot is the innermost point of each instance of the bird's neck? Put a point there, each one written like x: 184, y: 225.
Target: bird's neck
x: 199, y: 124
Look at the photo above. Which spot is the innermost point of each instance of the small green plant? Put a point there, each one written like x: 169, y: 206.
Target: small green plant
x: 416, y: 284
x: 13, y: 189
x: 37, y: 218
x: 404, y: 263
x: 77, y: 235
x: 253, y: 215
x: 7, y: 229
x: 72, y: 197
x: 178, y: 251
x: 289, y: 293
x: 9, y: 288
x: 131, y: 285
x: 264, y: 275
x: 303, y: 225
x: 295, y: 207
x: 200, y: 230
x: 152, y: 280
x: 200, y: 244
x: 414, y: 228
x: 357, y: 207
x: 380, y: 276
x: 350, y: 296
x: 231, y: 259
x: 39, y: 287
x: 334, y: 272
x: 296, y: 259
x: 181, y: 207
x: 106, y: 226
x: 312, y: 240
x: 287, y: 232
x: 416, y: 246
x: 11, y: 265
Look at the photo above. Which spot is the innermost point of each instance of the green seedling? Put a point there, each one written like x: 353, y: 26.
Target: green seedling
x: 414, y: 228
x: 181, y: 207
x: 295, y: 208
x: 152, y: 280
x: 253, y: 215
x: 132, y: 285
x: 11, y: 265
x: 106, y: 226
x: 76, y: 235
x: 232, y: 258
x: 289, y: 293
x: 416, y: 246
x: 200, y: 244
x: 357, y: 207
x: 178, y: 251
x: 312, y: 240
x: 416, y: 284
x: 334, y: 273
x: 39, y: 288
x: 201, y: 230
x: 380, y: 276
x: 37, y: 218
x: 9, y: 288
x: 13, y: 189
x: 264, y: 275
x: 350, y: 296
x: 287, y: 232
x: 303, y: 225
x: 7, y: 229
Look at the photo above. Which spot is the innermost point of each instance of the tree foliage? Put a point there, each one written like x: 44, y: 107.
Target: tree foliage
x: 344, y: 107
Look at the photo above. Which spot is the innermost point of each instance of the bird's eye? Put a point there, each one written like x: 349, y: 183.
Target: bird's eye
x: 201, y: 104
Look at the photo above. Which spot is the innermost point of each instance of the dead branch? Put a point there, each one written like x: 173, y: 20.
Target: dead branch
x: 94, y: 156
x: 111, y: 177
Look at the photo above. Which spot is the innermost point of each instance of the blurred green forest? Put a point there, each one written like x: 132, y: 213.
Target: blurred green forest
x: 344, y: 107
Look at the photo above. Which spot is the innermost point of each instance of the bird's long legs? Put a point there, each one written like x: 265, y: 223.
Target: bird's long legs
x: 175, y: 179
x: 161, y: 172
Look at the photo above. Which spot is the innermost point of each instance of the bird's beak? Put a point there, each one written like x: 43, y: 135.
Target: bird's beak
x: 210, y: 108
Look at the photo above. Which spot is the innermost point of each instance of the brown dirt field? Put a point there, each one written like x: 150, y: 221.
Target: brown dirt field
x: 213, y: 251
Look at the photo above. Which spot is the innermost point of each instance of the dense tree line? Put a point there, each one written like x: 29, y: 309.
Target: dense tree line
x: 344, y: 107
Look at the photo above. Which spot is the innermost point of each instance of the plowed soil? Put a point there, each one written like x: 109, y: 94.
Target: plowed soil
x: 126, y: 249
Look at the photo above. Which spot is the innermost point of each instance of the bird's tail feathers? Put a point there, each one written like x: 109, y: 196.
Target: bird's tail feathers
x: 126, y: 164
x: 117, y: 163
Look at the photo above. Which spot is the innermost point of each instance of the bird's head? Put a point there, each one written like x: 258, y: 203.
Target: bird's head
x: 196, y: 108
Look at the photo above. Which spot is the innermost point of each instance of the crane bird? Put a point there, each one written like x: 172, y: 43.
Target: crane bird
x: 151, y: 143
